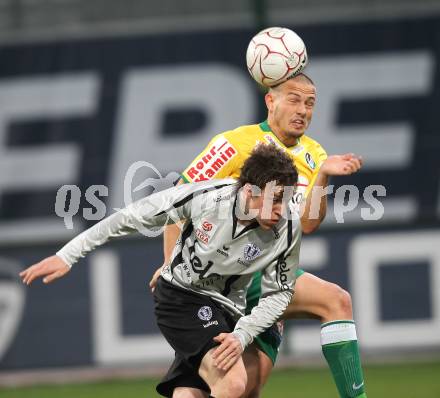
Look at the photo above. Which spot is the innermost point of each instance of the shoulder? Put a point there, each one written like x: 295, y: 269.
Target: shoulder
x: 211, y: 188
x: 243, y: 132
x: 311, y: 145
x: 239, y: 136
x: 207, y: 196
x: 241, y: 140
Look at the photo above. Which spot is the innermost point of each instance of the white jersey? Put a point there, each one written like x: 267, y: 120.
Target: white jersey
x: 215, y: 255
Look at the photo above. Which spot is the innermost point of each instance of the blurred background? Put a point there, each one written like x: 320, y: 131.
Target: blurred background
x: 87, y: 88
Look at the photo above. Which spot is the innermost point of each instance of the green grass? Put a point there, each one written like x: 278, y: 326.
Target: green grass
x: 388, y: 381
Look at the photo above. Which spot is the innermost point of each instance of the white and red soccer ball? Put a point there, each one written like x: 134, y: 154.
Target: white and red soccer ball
x: 275, y: 55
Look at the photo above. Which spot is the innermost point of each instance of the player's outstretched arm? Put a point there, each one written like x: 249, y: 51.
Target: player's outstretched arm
x: 152, y: 211
x: 50, y: 268
x: 315, y: 206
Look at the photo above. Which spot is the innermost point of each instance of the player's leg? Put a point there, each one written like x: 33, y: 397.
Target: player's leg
x: 177, y: 315
x: 186, y: 392
x: 260, y: 356
x: 258, y: 368
x: 316, y: 298
x: 230, y: 384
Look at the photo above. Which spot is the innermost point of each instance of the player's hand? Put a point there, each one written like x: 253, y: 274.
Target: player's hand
x: 50, y: 268
x: 341, y: 165
x: 155, y: 277
x: 228, y: 352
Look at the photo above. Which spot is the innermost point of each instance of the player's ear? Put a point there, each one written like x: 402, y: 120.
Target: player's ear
x: 269, y: 99
x: 247, y: 191
x: 252, y: 191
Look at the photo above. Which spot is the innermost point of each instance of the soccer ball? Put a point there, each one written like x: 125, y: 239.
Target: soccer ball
x: 275, y: 55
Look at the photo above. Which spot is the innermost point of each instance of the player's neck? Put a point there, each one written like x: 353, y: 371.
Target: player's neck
x: 287, y: 141
x: 246, y: 222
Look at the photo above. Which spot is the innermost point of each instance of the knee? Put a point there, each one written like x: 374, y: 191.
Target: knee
x: 237, y: 388
x: 253, y: 390
x: 234, y: 388
x: 338, y: 303
x: 188, y: 392
x: 255, y: 393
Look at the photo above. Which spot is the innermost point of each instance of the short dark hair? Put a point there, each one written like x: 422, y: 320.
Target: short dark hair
x: 268, y: 163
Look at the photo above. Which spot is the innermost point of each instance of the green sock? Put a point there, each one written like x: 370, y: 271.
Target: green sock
x: 340, y: 349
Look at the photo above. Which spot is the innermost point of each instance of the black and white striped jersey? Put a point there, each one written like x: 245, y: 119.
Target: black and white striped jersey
x: 216, y: 254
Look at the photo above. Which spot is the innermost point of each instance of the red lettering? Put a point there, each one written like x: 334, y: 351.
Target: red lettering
x: 206, y: 158
x: 192, y: 172
x: 217, y: 165
x: 207, y: 226
x: 230, y: 152
x: 201, y: 178
x: 203, y: 171
x: 202, y: 236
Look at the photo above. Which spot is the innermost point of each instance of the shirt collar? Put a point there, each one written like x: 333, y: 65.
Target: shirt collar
x: 264, y: 126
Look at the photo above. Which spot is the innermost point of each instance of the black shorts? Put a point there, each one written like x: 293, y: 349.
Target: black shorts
x: 189, y: 322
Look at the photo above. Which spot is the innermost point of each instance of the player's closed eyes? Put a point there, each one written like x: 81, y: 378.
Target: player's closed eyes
x: 294, y: 100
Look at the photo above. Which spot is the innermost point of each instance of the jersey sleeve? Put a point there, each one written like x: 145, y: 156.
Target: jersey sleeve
x: 161, y: 208
x: 217, y: 160
x: 277, y: 286
x: 320, y: 155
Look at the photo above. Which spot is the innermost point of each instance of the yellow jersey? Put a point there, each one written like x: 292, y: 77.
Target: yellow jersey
x: 226, y: 152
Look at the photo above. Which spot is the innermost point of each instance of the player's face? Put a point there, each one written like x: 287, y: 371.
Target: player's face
x: 268, y: 206
x: 290, y: 107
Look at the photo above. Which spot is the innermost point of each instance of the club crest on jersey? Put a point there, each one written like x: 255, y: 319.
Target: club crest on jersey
x: 212, y: 160
x: 310, y: 161
x: 205, y: 313
x: 251, y: 251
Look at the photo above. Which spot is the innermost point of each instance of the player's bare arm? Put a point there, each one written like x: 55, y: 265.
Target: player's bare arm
x: 315, y: 206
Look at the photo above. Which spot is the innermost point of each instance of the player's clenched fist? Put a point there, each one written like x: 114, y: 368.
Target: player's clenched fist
x: 228, y: 352
x: 50, y: 268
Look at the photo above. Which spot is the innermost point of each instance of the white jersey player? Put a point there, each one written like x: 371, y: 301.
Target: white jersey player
x: 226, y: 238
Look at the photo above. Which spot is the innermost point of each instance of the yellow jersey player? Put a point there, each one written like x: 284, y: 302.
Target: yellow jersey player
x: 290, y: 108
